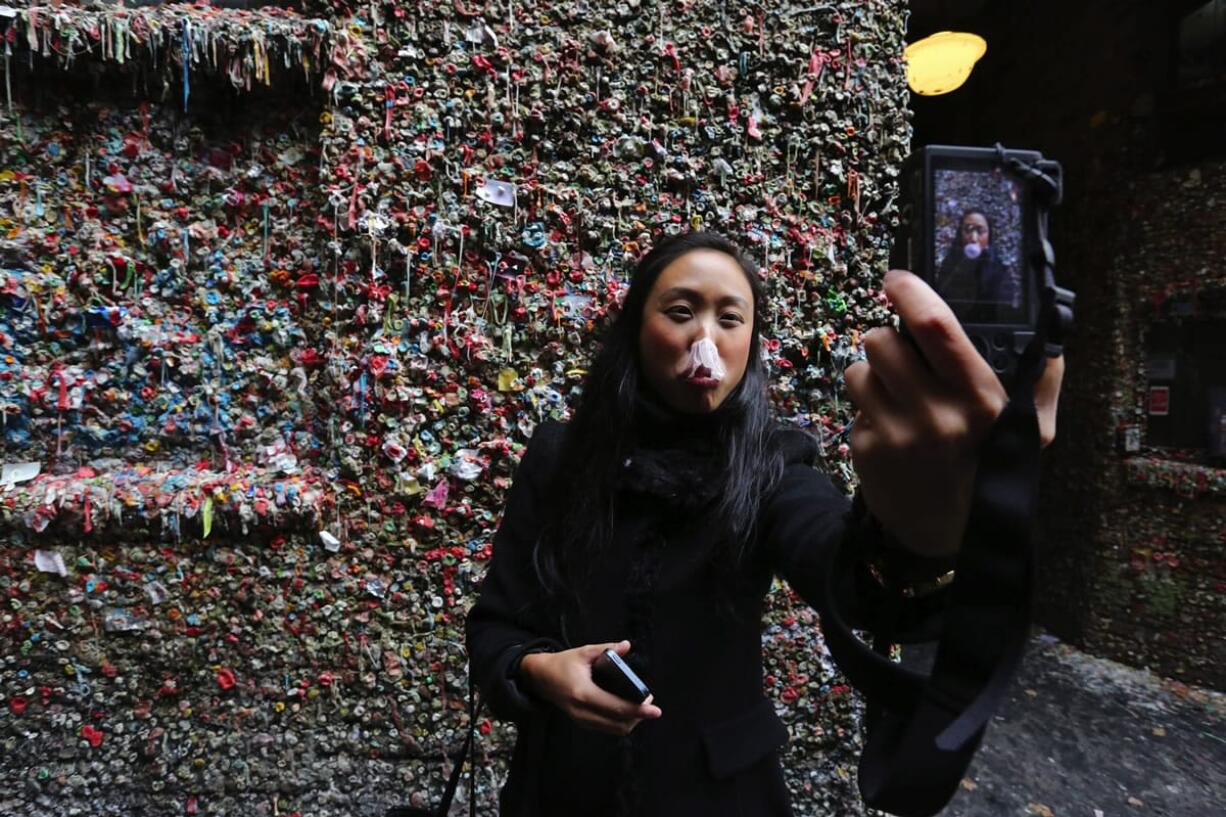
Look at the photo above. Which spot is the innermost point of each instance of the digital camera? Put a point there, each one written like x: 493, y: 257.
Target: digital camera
x: 974, y: 225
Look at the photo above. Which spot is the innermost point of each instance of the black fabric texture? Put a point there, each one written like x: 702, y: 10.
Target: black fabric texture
x: 924, y: 730
x: 675, y: 463
x: 675, y: 459
x: 715, y: 752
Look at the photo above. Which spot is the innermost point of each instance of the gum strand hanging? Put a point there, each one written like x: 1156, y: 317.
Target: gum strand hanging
x: 185, y: 50
x: 8, y: 75
x: 119, y: 31
x: 215, y: 428
x: 489, y: 283
x: 371, y: 227
x: 408, y: 275
x: 62, y: 404
x: 264, y: 206
x: 508, y: 334
x: 127, y: 277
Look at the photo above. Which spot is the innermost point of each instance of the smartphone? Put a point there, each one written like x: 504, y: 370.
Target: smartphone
x: 612, y: 674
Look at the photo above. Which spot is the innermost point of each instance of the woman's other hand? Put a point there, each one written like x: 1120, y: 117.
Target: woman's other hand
x: 565, y: 680
x: 918, y: 427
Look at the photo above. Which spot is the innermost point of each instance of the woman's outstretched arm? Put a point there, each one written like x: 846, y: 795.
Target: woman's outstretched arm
x: 802, y: 523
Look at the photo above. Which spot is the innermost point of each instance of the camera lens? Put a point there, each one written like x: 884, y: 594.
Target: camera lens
x: 1000, y: 340
x: 1000, y: 361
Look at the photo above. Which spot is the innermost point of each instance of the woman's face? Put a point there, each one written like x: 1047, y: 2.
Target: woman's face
x: 702, y: 294
x: 975, y: 230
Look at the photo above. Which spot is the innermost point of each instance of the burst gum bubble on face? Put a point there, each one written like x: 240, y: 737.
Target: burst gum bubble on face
x: 704, y: 354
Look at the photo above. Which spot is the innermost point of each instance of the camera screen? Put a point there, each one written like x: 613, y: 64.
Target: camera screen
x: 978, y: 244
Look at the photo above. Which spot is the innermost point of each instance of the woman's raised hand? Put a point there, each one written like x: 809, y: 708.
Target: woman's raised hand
x: 565, y: 680
x: 918, y: 427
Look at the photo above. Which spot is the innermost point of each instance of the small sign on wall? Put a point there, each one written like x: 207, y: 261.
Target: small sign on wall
x: 1159, y: 401
x: 1160, y: 367
x: 1129, y: 439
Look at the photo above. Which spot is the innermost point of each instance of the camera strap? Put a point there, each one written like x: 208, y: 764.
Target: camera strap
x: 463, y: 756
x: 924, y: 730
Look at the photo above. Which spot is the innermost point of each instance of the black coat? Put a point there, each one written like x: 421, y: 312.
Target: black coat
x: 976, y: 290
x: 715, y: 751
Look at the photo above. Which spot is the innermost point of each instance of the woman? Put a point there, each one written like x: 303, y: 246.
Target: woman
x: 973, y: 278
x: 653, y: 521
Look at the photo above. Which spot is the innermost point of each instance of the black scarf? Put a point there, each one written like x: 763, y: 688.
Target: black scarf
x: 675, y: 457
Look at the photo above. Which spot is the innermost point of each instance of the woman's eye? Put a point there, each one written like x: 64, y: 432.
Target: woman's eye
x: 678, y: 311
x: 732, y: 317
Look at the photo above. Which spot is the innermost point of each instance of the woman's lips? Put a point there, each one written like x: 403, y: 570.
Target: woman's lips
x: 706, y: 382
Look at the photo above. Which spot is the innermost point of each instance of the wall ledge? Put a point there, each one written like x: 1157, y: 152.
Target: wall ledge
x: 1191, y: 480
x: 186, y: 501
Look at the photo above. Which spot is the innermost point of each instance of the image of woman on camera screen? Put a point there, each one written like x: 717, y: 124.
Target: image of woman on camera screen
x: 973, y: 277
x: 653, y: 522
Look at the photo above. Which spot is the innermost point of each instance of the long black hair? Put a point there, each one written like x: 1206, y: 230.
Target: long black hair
x: 600, y: 435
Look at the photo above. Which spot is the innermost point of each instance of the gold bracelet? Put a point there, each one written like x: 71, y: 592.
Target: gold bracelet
x: 912, y: 590
x: 917, y: 590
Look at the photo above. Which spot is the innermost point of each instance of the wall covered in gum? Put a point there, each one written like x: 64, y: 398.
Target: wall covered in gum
x: 284, y: 293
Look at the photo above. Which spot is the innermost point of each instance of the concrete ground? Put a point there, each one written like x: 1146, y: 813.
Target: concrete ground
x: 1085, y: 737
